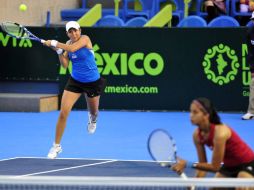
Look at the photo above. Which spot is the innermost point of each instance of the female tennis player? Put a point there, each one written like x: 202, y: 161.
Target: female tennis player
x: 85, y: 79
x: 231, y: 156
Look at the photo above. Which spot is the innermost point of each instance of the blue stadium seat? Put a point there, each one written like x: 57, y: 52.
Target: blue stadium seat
x: 136, y: 22
x: 129, y: 12
x: 149, y: 4
x: 224, y: 21
x: 72, y: 14
x: 83, y: 4
x: 110, y: 21
x: 192, y: 21
x: 178, y: 12
x: 250, y: 24
x: 75, y: 14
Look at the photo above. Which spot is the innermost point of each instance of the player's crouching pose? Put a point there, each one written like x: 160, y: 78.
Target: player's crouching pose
x: 85, y: 79
x: 228, y: 148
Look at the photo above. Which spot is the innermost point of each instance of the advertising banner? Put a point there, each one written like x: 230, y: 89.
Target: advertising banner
x: 147, y: 68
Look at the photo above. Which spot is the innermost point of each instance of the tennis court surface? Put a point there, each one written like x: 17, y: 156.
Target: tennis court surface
x: 21, y: 167
x: 29, y: 173
x: 118, y: 148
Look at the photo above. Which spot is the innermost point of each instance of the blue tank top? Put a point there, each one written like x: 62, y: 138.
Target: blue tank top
x: 84, y: 68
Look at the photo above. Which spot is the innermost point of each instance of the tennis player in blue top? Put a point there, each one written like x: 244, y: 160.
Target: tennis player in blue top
x: 85, y: 79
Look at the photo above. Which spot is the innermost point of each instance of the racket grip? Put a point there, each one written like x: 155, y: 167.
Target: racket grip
x: 42, y: 41
x: 183, y: 175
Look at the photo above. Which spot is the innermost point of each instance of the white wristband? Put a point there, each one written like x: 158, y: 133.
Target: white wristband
x: 194, y: 165
x: 53, y: 43
x: 59, y: 51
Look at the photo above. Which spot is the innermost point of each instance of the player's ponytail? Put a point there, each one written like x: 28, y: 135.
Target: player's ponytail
x: 210, y: 109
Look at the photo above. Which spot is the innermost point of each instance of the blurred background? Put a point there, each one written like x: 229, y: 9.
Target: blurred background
x: 147, y: 50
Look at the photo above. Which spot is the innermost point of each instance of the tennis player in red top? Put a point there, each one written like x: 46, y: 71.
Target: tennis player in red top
x: 231, y: 156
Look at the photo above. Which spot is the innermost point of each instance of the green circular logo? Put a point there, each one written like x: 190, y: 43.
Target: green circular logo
x: 221, y: 64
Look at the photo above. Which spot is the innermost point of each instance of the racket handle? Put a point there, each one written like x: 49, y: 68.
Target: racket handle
x: 183, y: 175
x: 42, y: 41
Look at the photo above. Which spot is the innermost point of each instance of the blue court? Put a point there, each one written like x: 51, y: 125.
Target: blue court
x: 118, y: 148
x: 23, y: 167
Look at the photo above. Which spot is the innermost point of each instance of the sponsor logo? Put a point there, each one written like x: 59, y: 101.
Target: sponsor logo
x: 220, y: 64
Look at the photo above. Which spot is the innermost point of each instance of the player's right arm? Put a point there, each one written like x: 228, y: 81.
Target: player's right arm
x: 202, y: 159
x: 222, y: 134
x: 63, y: 58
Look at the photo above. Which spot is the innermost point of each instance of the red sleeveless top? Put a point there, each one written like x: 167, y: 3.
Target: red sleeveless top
x: 236, y: 151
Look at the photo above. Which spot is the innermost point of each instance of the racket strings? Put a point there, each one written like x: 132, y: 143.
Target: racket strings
x: 14, y: 29
x: 162, y: 147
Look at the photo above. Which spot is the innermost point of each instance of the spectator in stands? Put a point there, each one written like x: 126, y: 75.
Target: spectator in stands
x: 251, y: 5
x: 250, y: 60
x: 214, y: 8
x: 85, y: 79
x: 228, y: 148
x: 246, y: 6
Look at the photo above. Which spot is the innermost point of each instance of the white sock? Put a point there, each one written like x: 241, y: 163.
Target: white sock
x: 93, y: 117
x: 56, y: 144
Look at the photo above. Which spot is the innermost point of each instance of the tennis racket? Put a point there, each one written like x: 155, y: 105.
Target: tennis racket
x: 18, y: 31
x: 162, y: 148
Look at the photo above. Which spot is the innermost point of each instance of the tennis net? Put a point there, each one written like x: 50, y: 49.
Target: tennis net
x: 119, y: 183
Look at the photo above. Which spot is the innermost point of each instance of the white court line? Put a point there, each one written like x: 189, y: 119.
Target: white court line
x: 45, y: 158
x: 62, y: 169
x: 9, y: 159
x: 120, y: 160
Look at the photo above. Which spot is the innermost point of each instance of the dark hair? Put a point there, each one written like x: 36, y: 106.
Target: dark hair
x: 210, y: 109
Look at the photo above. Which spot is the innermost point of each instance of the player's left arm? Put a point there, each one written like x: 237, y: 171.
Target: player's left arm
x: 222, y: 133
x: 82, y: 42
x: 179, y: 166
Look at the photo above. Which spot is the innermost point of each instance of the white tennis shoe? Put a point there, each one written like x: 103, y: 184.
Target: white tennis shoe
x: 54, y: 151
x: 91, y: 126
x: 248, y: 116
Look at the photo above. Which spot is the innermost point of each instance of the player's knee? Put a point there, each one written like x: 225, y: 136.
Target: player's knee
x: 219, y: 175
x: 244, y: 174
x: 64, y: 114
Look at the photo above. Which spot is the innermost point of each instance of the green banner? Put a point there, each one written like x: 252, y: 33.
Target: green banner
x: 26, y: 60
x: 151, y: 68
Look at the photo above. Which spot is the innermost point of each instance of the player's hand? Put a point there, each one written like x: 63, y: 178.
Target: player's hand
x: 252, y: 75
x: 179, y: 166
x: 47, y: 43
x: 59, y: 51
x: 51, y: 43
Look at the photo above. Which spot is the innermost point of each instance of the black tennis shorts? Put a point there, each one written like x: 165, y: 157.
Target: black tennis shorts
x: 92, y: 89
x: 233, y: 171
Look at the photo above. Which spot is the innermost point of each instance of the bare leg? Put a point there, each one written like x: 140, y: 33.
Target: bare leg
x: 93, y: 106
x: 219, y: 175
x: 68, y: 100
x: 93, y: 109
x: 251, y: 96
x: 244, y: 174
